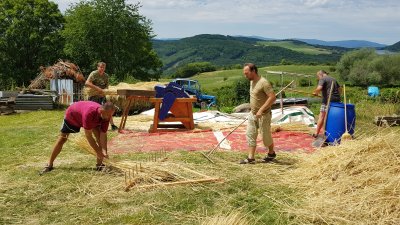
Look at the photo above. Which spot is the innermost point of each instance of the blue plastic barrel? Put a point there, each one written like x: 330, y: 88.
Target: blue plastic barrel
x: 373, y: 91
x: 335, y: 123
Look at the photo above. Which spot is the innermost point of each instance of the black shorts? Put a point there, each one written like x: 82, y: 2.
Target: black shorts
x: 98, y: 99
x: 68, y: 128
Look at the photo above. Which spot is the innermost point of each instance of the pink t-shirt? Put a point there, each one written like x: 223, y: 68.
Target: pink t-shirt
x: 86, y: 114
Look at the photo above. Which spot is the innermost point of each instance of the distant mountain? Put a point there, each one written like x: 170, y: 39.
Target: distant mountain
x: 257, y: 37
x: 167, y: 39
x: 394, y: 48
x: 345, y: 44
x: 226, y: 51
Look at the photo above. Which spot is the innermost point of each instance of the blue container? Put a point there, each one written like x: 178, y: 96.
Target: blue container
x: 335, y: 126
x: 373, y: 91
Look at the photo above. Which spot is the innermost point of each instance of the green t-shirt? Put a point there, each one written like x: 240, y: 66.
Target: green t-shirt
x: 100, y: 81
x: 258, y: 94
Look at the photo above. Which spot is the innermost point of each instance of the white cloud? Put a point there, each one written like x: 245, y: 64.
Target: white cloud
x: 323, y: 19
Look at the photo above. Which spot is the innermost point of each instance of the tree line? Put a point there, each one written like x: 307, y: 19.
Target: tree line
x: 35, y: 33
x: 365, y: 67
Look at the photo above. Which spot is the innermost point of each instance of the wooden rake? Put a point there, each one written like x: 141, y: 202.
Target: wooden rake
x: 208, y: 154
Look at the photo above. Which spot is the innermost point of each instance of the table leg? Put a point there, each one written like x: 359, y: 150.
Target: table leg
x: 155, y: 119
x: 125, y: 115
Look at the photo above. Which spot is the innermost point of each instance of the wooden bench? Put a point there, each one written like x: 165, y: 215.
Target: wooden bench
x: 181, y: 111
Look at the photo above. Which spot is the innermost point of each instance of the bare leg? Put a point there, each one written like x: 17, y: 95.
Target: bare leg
x: 320, y: 122
x: 57, y: 147
x: 252, y: 151
x: 111, y: 121
x: 271, y: 149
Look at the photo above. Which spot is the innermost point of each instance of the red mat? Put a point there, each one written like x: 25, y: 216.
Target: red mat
x: 136, y: 141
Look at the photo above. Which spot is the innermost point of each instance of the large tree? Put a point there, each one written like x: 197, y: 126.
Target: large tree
x: 29, y: 37
x: 114, y: 32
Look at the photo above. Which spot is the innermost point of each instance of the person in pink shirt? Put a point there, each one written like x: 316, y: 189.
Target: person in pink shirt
x: 94, y: 118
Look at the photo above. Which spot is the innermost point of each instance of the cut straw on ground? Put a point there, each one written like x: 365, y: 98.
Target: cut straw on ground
x: 153, y: 172
x: 357, y: 182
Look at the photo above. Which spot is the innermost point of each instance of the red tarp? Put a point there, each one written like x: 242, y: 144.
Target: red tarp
x: 136, y: 141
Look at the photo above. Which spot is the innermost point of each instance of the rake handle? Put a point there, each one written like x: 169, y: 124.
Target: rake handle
x: 345, y: 108
x: 212, y: 150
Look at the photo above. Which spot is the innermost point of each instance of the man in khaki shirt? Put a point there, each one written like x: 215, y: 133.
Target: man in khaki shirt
x: 97, y: 81
x: 262, y: 97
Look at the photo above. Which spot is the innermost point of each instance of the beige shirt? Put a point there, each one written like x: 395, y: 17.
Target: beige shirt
x: 258, y: 94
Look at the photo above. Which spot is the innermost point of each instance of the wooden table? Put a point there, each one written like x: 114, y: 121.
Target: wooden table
x: 132, y: 96
x: 182, y: 111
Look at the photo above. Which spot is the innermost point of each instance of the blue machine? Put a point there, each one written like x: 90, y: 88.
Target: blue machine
x: 373, y: 91
x: 169, y: 93
x: 192, y: 87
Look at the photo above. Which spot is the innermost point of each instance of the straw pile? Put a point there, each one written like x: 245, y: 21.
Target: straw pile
x: 125, y: 166
x: 119, y: 101
x: 112, y: 90
x: 300, y: 127
x: 154, y: 172
x: 233, y: 218
x: 357, y: 182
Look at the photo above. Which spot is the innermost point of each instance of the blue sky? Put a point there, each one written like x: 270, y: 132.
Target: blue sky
x: 328, y: 20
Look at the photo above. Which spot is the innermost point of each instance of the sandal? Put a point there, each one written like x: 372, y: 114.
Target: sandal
x: 269, y: 157
x: 113, y: 127
x: 46, y: 169
x: 247, y: 161
x: 100, y: 167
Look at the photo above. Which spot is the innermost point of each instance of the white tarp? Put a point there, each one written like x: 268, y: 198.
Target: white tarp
x: 291, y: 114
x: 298, y: 114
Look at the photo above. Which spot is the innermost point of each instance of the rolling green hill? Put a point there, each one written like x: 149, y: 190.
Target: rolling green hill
x: 297, y: 46
x: 227, y: 51
x: 211, y: 81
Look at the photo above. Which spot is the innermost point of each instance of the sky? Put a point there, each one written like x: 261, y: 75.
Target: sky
x: 328, y: 20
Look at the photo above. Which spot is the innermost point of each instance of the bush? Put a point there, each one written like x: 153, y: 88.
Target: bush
x: 304, y: 82
x: 390, y: 95
x: 192, y: 69
x: 234, y: 94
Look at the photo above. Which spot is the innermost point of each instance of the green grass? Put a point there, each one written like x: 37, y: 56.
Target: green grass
x: 303, y: 48
x: 74, y: 193
x: 211, y: 81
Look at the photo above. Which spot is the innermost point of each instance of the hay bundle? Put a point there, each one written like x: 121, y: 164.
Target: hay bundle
x: 111, y: 93
x: 357, y: 182
x: 135, y: 172
x: 233, y: 218
x: 300, y: 127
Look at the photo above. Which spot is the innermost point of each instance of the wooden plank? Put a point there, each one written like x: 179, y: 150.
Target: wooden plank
x: 387, y: 121
x: 176, y: 100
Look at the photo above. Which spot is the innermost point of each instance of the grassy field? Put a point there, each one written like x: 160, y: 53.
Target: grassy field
x: 214, y: 80
x: 74, y: 193
x: 303, y: 48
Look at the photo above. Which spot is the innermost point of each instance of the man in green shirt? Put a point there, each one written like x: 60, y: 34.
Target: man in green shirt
x: 97, y: 81
x: 262, y: 97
